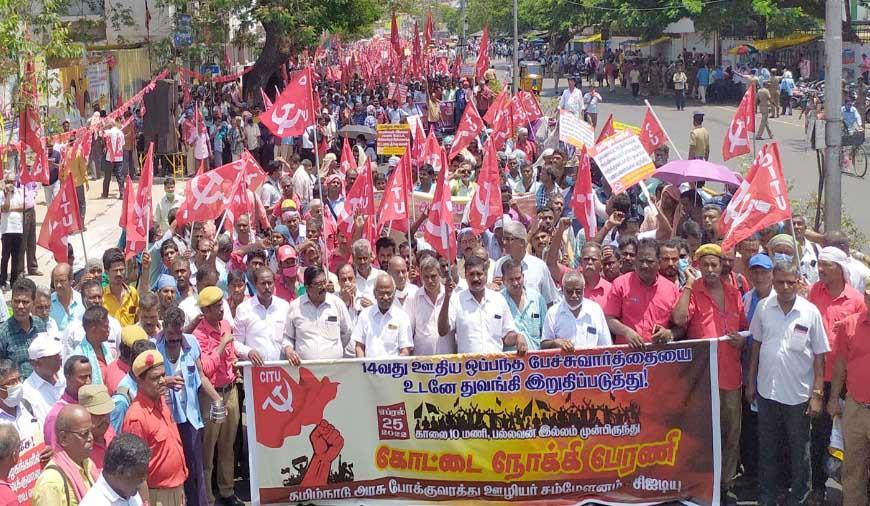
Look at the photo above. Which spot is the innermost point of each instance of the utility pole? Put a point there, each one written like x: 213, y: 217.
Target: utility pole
x: 463, y: 19
x: 833, y: 114
x: 515, y: 63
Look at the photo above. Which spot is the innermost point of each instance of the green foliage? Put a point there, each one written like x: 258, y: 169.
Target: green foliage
x: 27, y: 29
x: 807, y: 206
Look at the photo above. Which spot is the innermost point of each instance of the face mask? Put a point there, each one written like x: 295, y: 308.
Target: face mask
x: 290, y: 272
x: 170, y: 196
x: 683, y: 264
x: 782, y: 257
x: 569, y: 180
x: 575, y: 307
x: 13, y: 395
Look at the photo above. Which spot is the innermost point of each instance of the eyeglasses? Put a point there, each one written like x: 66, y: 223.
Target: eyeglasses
x: 573, y: 291
x: 82, y: 434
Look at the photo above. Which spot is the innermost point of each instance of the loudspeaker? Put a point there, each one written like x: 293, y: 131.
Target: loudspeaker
x: 159, y: 124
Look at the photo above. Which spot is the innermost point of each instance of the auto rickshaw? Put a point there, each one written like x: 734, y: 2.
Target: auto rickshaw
x: 531, y: 76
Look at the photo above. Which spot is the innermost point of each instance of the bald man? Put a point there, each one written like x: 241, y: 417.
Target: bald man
x: 70, y: 473
x: 384, y: 329
x: 397, y: 268
x: 66, y: 303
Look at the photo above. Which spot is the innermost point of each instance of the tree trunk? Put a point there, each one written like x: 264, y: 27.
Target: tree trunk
x: 276, y: 51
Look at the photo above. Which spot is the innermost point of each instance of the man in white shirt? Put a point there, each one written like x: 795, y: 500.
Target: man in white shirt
x: 43, y: 388
x: 398, y: 269
x: 303, y: 182
x: 575, y: 323
x: 318, y: 325
x: 365, y: 273
x: 535, y: 271
x: 114, y: 140
x: 125, y: 468
x: 786, y: 370
x: 423, y: 307
x: 383, y: 330
x: 572, y: 98
x: 478, y: 317
x: 12, y: 410
x: 858, y: 271
x: 260, y: 320
x: 92, y: 295
x: 170, y: 200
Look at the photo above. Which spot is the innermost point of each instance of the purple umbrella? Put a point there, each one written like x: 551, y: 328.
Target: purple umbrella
x: 688, y: 171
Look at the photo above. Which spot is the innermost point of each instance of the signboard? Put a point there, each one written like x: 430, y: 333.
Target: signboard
x: 623, y: 160
x: 620, y: 126
x: 22, y: 477
x: 393, y: 139
x: 183, y: 30
x: 605, y: 424
x: 183, y: 39
x: 97, y: 75
x: 575, y: 131
x: 466, y: 70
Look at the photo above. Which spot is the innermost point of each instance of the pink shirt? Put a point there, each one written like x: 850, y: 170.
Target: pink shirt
x: 639, y: 306
x: 51, y: 418
x: 219, y: 367
x: 599, y: 292
x: 834, y: 310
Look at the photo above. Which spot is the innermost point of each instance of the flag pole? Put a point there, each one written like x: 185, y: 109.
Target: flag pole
x: 324, y: 261
x: 671, y: 141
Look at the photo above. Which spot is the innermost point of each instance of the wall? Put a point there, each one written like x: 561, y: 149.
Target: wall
x: 162, y: 23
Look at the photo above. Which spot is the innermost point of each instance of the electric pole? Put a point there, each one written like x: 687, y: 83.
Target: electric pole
x: 833, y: 113
x: 515, y: 63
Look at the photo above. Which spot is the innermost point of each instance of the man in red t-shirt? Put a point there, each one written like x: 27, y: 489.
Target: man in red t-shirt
x: 711, y: 309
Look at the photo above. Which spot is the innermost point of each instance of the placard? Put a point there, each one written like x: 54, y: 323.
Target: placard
x: 575, y: 131
x: 623, y: 160
x: 393, y: 139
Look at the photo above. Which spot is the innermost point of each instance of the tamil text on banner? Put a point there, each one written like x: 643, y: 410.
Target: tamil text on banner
x: 623, y: 160
x: 393, y: 139
x: 607, y: 424
x: 575, y: 131
x: 22, y: 476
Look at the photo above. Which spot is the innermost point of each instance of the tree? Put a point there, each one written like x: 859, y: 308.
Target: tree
x: 34, y: 31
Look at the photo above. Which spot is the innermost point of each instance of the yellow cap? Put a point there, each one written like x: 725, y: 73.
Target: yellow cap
x: 209, y: 296
x: 146, y: 360
x: 132, y: 333
x: 288, y: 205
x: 708, y: 249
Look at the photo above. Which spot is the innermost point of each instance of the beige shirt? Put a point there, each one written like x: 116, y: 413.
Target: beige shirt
x: 699, y: 143
x: 318, y: 332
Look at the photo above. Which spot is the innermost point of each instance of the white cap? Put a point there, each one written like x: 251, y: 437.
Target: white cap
x: 393, y: 161
x: 43, y: 346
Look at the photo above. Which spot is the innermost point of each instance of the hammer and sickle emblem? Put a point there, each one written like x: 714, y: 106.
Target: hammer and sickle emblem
x: 284, y: 121
x: 735, y: 135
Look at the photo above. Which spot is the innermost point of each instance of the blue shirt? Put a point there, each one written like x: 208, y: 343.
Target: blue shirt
x: 529, y: 320
x: 785, y: 86
x: 703, y: 76
x: 851, y: 117
x: 184, y: 405
x: 85, y: 349
x: 122, y: 402
x: 60, y: 315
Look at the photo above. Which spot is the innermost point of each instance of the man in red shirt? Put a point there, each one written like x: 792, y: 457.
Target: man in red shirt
x: 639, y: 305
x: 709, y: 310
x: 9, y: 448
x: 836, y: 299
x: 596, y: 288
x: 852, y: 368
x: 219, y: 358
x: 150, y: 419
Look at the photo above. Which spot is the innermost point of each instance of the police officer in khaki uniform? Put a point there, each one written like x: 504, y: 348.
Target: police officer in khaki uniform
x: 699, y: 138
x: 763, y: 99
x: 773, y: 87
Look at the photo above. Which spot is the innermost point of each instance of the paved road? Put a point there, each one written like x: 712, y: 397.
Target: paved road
x: 799, y: 165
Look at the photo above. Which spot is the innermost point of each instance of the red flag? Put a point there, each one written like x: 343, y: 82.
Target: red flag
x: 417, y: 53
x: 305, y: 400
x: 737, y: 141
x: 432, y: 152
x: 139, y: 209
x: 347, y: 160
x: 267, y: 104
x: 496, y: 106
x: 469, y: 128
x: 419, y: 144
x: 30, y: 131
x: 518, y: 113
x: 760, y: 201
x: 360, y: 200
x: 456, y: 69
x: 128, y: 197
x: 483, y: 55
x: 485, y: 206
x: 61, y: 220
x: 294, y: 109
x: 652, y: 133
x: 438, y: 230
x: 583, y: 199
x: 330, y: 231
x: 238, y: 203
x: 607, y: 130
x: 394, y: 205
x: 395, y: 40
x: 207, y: 195
x: 502, y: 123
x: 531, y: 106
x: 428, y: 29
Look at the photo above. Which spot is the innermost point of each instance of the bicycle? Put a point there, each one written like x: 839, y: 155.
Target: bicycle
x: 853, y: 157
x: 853, y: 160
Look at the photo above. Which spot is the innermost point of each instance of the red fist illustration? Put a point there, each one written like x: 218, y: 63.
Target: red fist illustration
x: 327, y: 442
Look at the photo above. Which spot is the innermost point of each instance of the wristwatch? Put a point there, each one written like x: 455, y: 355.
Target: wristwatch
x: 819, y: 392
